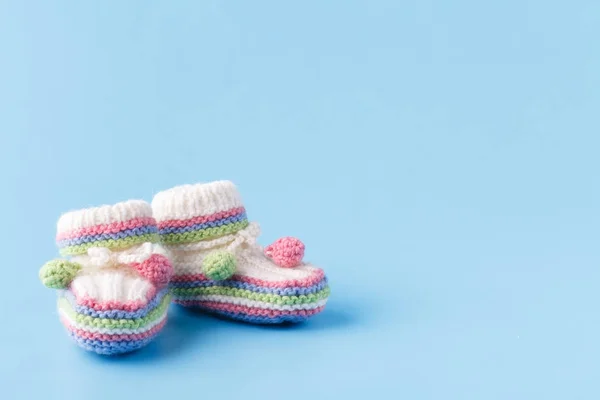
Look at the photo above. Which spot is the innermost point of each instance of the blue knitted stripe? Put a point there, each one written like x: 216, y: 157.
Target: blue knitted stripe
x: 255, y: 319
x: 115, y: 314
x: 211, y: 224
x: 290, y: 291
x: 110, y: 347
x: 144, y: 230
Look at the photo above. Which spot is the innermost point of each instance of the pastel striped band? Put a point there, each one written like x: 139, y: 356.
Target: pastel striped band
x: 115, y: 236
x: 107, y: 330
x: 89, y: 322
x: 254, y: 300
x: 115, y: 227
x: 175, y: 231
x: 212, y: 293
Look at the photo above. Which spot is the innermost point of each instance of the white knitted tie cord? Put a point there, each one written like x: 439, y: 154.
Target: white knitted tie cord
x: 247, y: 235
x: 101, y: 257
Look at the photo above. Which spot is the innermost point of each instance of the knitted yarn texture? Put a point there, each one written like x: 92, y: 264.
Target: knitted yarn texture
x: 113, y: 291
x: 218, y: 265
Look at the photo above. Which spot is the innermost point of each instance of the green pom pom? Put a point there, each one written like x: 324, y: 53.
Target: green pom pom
x: 57, y: 274
x: 219, y: 265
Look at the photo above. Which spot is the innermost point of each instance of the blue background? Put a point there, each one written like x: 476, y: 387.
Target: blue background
x: 438, y: 158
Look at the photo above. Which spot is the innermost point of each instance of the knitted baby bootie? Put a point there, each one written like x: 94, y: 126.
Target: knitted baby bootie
x: 218, y: 265
x: 113, y: 291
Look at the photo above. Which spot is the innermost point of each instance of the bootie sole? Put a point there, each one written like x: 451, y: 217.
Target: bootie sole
x: 254, y: 300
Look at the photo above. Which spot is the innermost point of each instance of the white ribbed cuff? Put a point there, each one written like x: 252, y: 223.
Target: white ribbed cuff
x: 189, y: 201
x: 103, y: 215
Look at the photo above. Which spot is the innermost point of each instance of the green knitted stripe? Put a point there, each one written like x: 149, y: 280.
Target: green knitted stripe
x: 182, y: 293
x: 111, y: 244
x: 156, y: 313
x: 203, y: 234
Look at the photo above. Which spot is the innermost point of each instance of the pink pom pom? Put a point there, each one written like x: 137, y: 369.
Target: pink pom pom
x: 286, y: 252
x: 157, y: 269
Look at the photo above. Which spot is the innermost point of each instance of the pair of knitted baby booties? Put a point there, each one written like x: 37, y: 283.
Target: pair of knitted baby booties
x: 194, y: 245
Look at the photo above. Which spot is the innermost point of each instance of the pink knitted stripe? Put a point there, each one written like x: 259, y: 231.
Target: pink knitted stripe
x: 211, y: 305
x: 315, y: 278
x: 106, y: 228
x: 118, y: 337
x: 114, y: 305
x: 170, y: 223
